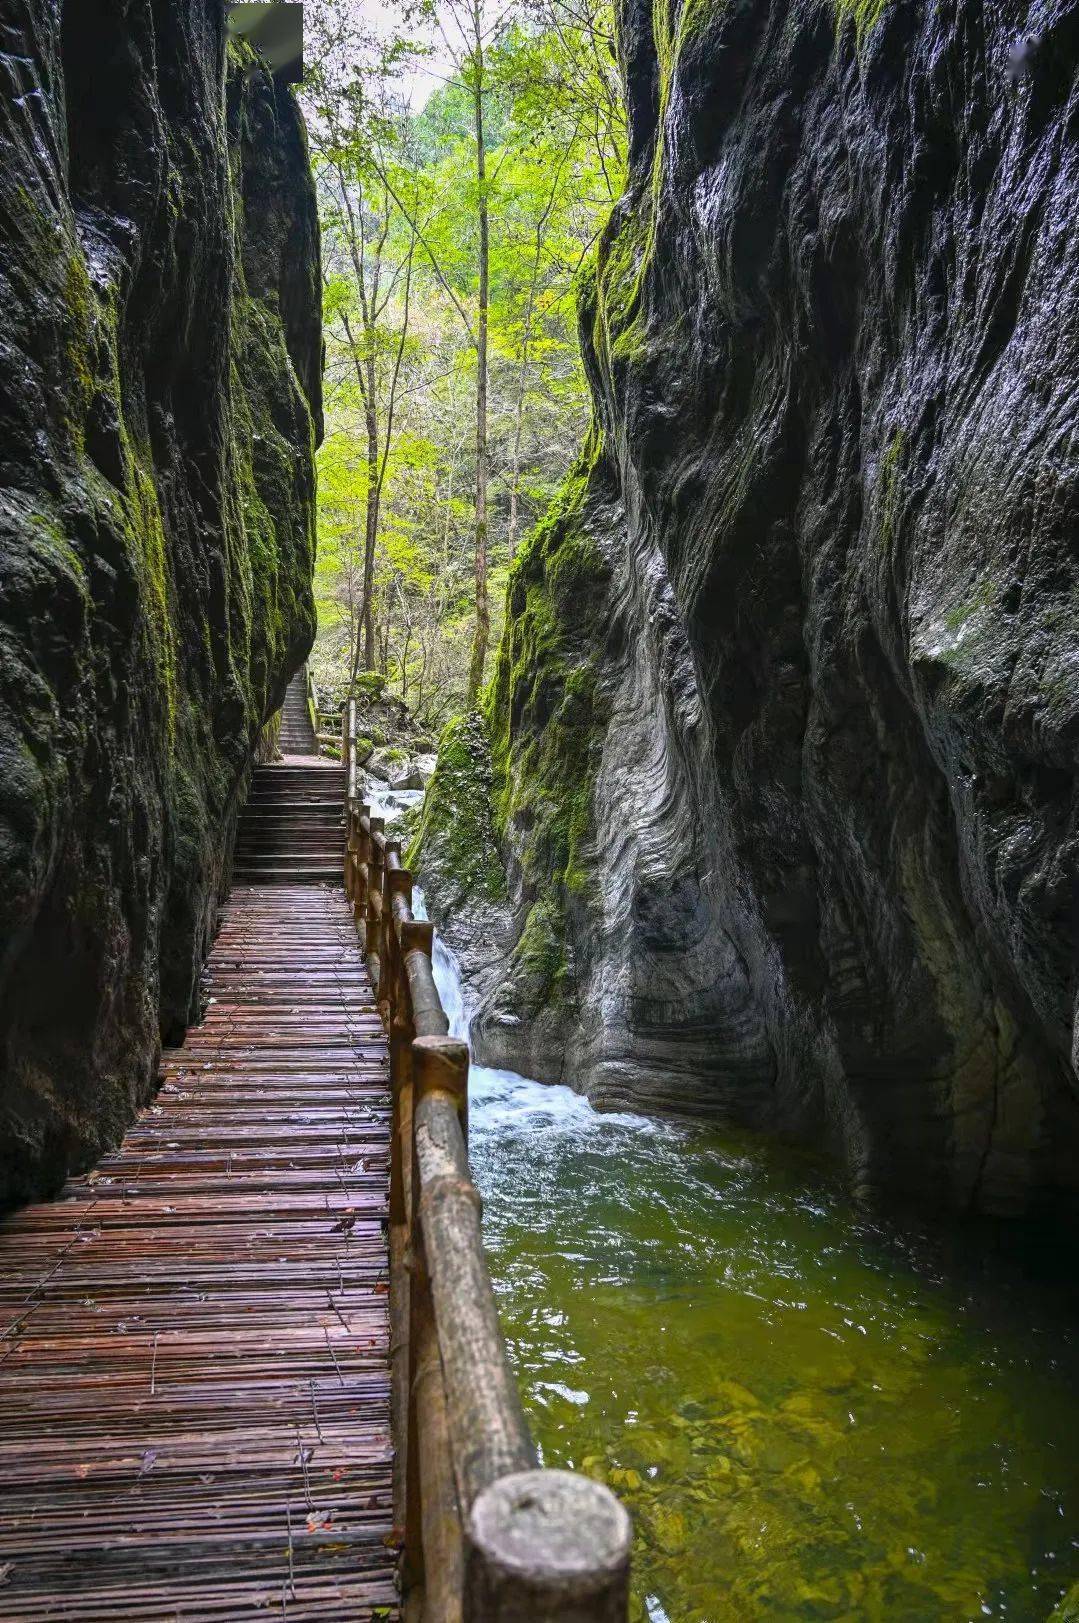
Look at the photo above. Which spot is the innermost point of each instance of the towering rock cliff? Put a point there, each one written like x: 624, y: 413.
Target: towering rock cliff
x: 786, y: 715
x: 159, y: 404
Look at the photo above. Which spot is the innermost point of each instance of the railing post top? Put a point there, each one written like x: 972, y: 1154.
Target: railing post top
x: 440, y: 1064
x: 548, y: 1547
x: 442, y: 1050
x: 418, y: 935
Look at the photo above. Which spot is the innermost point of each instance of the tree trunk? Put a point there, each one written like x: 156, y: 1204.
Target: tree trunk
x: 483, y: 618
x: 374, y: 496
x: 522, y: 386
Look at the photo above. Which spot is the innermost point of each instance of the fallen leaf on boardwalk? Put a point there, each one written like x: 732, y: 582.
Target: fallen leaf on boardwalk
x: 5, y: 1571
x: 395, y: 1540
x: 148, y: 1460
x: 319, y: 1520
x: 381, y: 1289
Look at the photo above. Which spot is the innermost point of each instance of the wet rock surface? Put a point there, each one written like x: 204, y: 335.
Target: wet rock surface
x: 827, y: 879
x: 159, y: 402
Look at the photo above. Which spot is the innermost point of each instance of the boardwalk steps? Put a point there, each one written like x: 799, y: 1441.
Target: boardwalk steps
x: 194, y: 1364
x: 206, y: 1343
x: 292, y: 830
x: 297, y: 733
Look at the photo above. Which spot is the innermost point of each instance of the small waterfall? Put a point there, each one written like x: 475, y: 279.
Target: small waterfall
x: 447, y: 975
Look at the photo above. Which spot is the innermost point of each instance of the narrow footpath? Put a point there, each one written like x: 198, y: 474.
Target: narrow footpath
x: 194, y: 1341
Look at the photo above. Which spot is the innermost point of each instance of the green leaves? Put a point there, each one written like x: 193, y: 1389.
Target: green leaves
x: 401, y: 191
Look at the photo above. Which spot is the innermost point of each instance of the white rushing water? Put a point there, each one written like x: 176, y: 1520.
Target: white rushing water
x: 505, y: 1100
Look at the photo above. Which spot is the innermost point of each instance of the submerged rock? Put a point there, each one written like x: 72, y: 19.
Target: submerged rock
x: 786, y: 709
x: 159, y: 403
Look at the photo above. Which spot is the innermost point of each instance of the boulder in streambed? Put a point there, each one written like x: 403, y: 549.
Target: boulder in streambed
x: 416, y: 775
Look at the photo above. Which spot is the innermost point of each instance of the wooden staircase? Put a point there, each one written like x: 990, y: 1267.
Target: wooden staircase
x: 291, y: 830
x: 297, y: 734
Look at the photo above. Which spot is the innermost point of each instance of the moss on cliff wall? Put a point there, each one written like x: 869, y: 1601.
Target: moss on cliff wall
x: 159, y: 403
x: 543, y: 708
x: 456, y: 836
x: 783, y: 686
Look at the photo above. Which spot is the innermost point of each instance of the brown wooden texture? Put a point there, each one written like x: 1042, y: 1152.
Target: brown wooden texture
x: 194, y: 1363
x: 547, y: 1547
x: 488, y: 1538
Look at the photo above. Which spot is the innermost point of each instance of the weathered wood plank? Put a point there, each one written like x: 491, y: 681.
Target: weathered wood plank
x: 194, y: 1341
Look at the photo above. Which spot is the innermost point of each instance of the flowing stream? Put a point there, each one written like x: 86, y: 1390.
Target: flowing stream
x: 806, y: 1414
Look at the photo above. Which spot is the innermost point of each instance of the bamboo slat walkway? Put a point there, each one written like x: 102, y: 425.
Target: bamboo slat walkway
x: 194, y: 1363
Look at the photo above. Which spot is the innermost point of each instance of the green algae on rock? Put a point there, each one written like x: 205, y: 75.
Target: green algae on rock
x: 159, y: 406
x: 804, y: 737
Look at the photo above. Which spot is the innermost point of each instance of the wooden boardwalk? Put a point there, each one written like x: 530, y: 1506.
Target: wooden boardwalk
x: 194, y: 1363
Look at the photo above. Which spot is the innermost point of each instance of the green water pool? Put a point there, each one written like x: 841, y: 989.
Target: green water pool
x: 807, y: 1415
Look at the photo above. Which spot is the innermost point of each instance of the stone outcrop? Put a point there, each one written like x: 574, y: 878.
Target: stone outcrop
x: 159, y: 407
x: 786, y: 714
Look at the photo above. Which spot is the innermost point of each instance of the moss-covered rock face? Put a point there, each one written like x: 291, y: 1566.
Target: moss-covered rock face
x: 159, y: 403
x: 822, y: 809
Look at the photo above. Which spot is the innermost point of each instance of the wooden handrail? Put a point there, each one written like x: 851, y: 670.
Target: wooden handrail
x: 312, y: 699
x: 489, y: 1537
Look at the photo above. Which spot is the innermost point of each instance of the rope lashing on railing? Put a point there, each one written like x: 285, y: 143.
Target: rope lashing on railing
x: 489, y: 1537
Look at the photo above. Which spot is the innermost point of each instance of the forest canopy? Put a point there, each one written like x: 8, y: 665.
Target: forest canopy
x: 466, y: 158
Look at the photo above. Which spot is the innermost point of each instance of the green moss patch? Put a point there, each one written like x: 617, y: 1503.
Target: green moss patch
x: 456, y: 841
x: 865, y: 14
x: 546, y: 717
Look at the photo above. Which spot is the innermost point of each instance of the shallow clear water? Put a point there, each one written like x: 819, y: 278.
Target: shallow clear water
x: 805, y: 1414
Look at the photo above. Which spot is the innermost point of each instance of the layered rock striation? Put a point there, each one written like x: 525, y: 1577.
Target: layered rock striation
x: 784, y: 728
x: 159, y: 408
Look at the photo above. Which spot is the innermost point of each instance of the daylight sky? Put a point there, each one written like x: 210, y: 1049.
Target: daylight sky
x: 427, y: 73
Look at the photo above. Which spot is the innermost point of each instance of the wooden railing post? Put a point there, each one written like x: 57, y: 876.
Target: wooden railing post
x: 350, y: 751
x: 489, y: 1538
x: 351, y: 798
x: 433, y: 1513
x: 363, y: 857
x: 373, y: 941
x: 391, y: 868
x: 547, y: 1547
